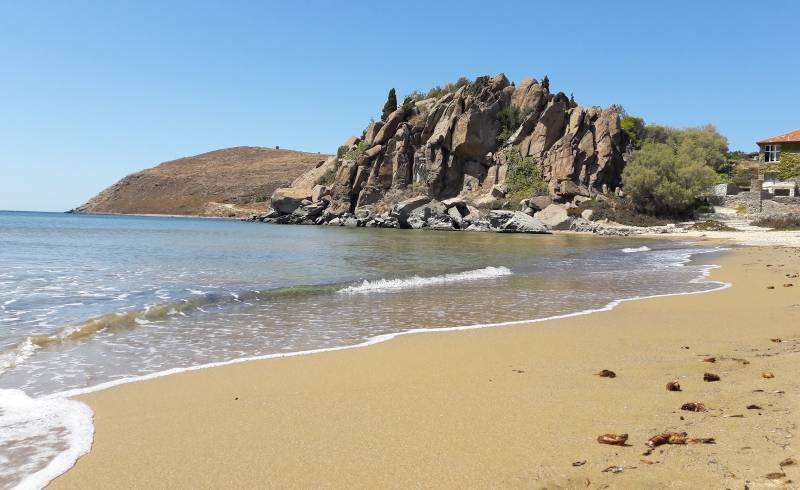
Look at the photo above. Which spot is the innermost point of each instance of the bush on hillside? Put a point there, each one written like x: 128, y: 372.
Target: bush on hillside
x: 440, y: 91
x: 510, y: 118
x: 524, y: 178
x: 672, y: 167
x: 355, y: 153
x: 662, y: 181
x: 635, y: 129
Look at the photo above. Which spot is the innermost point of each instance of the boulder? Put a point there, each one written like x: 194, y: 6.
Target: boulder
x: 554, y: 217
x: 317, y: 192
x: 523, y: 223
x: 486, y: 201
x: 479, y: 225
x: 549, y: 128
x: 415, y: 222
x: 475, y: 131
x: 455, y: 215
x: 499, y: 191
x: 351, y: 141
x: 372, y: 131
x: 286, y: 199
x: 429, y: 209
x: 540, y: 202
x: 391, y: 125
x: 515, y: 222
x: 587, y: 214
x: 404, y: 208
x: 441, y: 222
x: 309, y: 179
x: 498, y: 217
x: 373, y: 152
x: 528, y: 95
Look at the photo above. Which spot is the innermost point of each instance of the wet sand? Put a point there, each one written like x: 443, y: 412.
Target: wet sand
x: 500, y: 407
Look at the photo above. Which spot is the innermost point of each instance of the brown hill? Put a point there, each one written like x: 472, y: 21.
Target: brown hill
x: 229, y: 182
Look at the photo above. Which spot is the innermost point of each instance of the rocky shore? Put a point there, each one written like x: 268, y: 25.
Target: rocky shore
x: 455, y: 214
x: 477, y: 158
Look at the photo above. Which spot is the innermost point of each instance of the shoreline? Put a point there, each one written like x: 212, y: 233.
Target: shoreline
x: 148, y: 394
x: 48, y: 474
x: 379, y: 339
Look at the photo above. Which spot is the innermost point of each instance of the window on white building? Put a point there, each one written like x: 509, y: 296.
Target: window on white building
x: 772, y: 153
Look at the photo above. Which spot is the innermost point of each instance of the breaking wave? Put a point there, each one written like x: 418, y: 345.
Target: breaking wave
x: 383, y: 285
x: 643, y: 248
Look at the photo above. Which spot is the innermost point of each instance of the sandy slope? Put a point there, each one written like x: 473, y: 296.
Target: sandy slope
x: 500, y: 407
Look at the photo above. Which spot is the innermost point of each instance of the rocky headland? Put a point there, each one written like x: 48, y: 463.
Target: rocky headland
x: 222, y: 183
x: 486, y: 155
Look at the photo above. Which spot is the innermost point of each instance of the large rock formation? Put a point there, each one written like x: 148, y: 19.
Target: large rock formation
x: 229, y: 182
x: 449, y: 150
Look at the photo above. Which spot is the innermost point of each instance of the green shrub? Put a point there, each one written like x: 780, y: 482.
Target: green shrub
x: 524, y: 177
x: 355, y: 153
x: 703, y: 144
x: 635, y: 129
x: 328, y: 178
x: 340, y: 152
x: 662, y: 181
x: 510, y: 118
x: 408, y: 105
x: 440, y: 91
x: 260, y: 198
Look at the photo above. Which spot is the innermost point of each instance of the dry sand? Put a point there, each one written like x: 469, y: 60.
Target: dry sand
x: 499, y: 407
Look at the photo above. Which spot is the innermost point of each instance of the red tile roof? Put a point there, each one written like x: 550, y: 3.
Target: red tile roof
x: 790, y: 137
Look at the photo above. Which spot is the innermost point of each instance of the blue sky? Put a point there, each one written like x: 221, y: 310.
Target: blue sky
x: 92, y: 91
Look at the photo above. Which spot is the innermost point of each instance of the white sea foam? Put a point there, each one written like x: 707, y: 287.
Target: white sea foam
x: 383, y: 285
x: 40, y: 438
x: 15, y: 356
x: 643, y: 248
x: 77, y: 417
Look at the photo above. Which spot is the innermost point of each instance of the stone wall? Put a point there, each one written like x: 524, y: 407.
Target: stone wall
x: 751, y: 203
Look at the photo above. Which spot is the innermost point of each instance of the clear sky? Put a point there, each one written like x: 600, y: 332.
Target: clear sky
x: 92, y: 91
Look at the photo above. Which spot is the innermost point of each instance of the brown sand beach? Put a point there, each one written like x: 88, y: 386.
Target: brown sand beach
x: 515, y: 406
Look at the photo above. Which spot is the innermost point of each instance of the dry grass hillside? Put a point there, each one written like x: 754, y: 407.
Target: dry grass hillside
x: 229, y: 182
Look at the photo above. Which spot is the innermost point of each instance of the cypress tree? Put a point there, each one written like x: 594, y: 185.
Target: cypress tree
x: 572, y: 102
x: 390, y: 106
x: 546, y: 82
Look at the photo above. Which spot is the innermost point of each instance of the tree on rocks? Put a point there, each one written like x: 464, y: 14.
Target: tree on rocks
x: 391, y: 104
x: 546, y: 83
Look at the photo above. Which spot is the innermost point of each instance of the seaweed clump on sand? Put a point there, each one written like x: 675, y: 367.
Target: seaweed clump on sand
x: 711, y: 225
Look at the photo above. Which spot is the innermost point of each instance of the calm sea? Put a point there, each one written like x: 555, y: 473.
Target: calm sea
x: 92, y: 301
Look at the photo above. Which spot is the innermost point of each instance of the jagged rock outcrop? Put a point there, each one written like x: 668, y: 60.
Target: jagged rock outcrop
x: 450, y: 148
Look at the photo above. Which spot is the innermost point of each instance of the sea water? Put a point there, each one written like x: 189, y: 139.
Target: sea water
x: 88, y: 302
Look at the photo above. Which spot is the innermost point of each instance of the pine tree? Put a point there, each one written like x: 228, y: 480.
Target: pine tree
x: 546, y: 83
x: 390, y: 106
x: 572, y: 102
